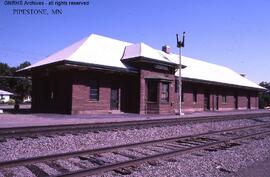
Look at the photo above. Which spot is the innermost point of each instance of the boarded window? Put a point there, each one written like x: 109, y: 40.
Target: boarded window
x: 94, y: 91
x: 165, y: 92
x: 152, y: 91
x: 195, y: 96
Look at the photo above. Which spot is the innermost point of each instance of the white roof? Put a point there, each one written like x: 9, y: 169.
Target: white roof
x: 2, y: 92
x: 143, y: 50
x: 201, y: 70
x: 101, y: 50
x: 93, y: 49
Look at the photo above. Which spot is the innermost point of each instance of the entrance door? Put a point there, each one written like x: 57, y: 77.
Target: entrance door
x: 114, y: 99
x: 248, y: 101
x: 217, y: 102
x: 236, y: 101
x: 152, y: 97
x: 206, y: 101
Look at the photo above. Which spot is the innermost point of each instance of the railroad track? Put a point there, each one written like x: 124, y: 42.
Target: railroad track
x: 37, y: 131
x: 121, y: 158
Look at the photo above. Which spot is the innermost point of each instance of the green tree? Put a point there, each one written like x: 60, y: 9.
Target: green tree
x: 264, y: 97
x: 4, y: 82
x: 9, y: 81
x: 23, y: 87
x: 23, y: 65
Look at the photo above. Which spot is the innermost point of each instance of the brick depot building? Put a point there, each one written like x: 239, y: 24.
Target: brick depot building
x: 104, y: 75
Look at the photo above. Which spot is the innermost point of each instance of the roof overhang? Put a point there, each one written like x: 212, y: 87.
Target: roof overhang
x: 99, y: 67
x: 78, y: 65
x: 221, y: 84
x: 159, y: 78
x: 151, y: 61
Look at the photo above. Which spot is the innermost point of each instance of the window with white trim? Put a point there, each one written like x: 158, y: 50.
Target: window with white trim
x: 94, y: 91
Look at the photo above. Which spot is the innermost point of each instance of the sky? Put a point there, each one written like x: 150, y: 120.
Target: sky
x: 232, y: 33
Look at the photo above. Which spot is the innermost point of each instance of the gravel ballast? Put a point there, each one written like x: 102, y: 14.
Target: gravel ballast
x: 220, y: 163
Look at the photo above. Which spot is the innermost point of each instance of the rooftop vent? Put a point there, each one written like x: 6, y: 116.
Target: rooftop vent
x: 166, y: 49
x: 243, y: 74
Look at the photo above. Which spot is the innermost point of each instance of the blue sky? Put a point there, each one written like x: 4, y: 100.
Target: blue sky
x: 233, y: 33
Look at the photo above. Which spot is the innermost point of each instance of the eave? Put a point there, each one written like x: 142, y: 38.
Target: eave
x: 141, y: 59
x: 220, y: 84
x: 78, y: 65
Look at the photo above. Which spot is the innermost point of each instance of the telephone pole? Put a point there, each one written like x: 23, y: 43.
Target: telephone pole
x: 180, y: 44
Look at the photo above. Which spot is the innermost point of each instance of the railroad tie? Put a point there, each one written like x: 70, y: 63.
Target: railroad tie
x: 56, y: 166
x: 122, y: 171
x: 37, y: 170
x: 96, y: 161
x: 167, y: 147
x: 151, y: 149
x: 187, y: 142
x: 126, y: 155
x: 139, y: 152
x: 175, y: 145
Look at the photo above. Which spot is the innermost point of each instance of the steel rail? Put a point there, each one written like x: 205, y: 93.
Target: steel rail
x: 25, y: 161
x: 104, y: 168
x: 28, y: 131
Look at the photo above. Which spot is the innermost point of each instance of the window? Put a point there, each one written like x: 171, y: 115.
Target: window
x: 224, y: 98
x: 194, y: 96
x: 165, y: 92
x: 152, y: 91
x: 94, y: 91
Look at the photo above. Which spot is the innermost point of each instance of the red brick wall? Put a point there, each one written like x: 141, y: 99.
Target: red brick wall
x: 159, y: 108
x: 128, y: 92
x: 254, y: 101
x: 71, y: 94
x: 142, y: 92
x: 81, y: 102
x: 229, y: 105
x: 189, y: 106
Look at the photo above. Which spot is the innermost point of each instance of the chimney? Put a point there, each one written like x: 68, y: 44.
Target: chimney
x: 166, y: 49
x: 243, y: 74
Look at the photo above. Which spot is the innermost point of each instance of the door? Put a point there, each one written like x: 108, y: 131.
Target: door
x: 236, y: 101
x: 152, y: 97
x: 206, y: 101
x: 248, y: 101
x: 217, y: 102
x: 114, y: 99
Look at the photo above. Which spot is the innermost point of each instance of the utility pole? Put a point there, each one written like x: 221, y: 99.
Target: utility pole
x: 180, y: 44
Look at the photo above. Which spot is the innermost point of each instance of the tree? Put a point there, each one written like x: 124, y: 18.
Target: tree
x: 23, y: 65
x: 264, y: 97
x: 21, y: 87
x: 5, y: 71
